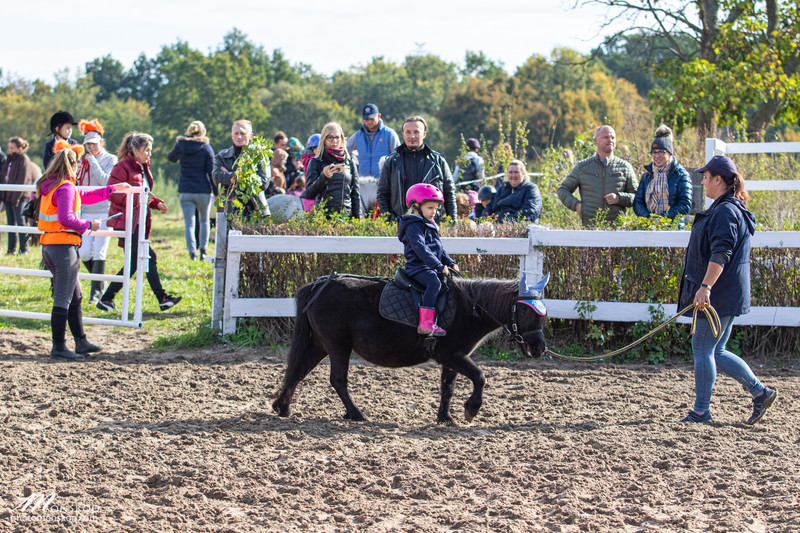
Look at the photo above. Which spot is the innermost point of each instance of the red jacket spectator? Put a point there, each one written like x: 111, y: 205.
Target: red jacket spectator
x: 130, y: 171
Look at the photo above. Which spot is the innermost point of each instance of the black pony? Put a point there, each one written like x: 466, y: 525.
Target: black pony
x: 343, y: 317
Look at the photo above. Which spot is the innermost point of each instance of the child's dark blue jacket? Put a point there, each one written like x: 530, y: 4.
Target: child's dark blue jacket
x: 423, y: 248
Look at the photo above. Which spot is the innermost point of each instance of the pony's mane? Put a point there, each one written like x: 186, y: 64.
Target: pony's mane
x: 496, y: 295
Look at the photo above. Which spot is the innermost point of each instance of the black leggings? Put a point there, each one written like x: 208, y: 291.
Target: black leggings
x: 152, y: 273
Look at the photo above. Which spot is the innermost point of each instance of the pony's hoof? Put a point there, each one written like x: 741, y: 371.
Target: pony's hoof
x: 446, y: 420
x: 356, y: 417
x: 468, y: 415
x: 282, y: 410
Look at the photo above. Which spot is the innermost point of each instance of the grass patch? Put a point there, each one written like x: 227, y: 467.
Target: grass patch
x: 498, y: 354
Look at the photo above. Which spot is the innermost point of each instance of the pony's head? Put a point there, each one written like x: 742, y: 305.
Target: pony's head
x: 530, y: 317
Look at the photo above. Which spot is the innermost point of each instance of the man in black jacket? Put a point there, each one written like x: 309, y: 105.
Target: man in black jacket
x: 414, y: 162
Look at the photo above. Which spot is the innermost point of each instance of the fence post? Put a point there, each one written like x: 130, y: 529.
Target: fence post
x: 713, y: 147
x: 220, y: 262
x: 231, y: 288
x: 532, y: 265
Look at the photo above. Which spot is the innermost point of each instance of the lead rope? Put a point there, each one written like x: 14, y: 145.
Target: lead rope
x: 711, y: 315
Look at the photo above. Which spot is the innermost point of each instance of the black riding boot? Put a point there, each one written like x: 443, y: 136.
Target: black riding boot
x: 97, y: 286
x: 58, y: 325
x: 75, y: 320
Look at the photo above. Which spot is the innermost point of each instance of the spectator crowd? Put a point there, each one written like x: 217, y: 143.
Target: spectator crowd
x: 367, y: 173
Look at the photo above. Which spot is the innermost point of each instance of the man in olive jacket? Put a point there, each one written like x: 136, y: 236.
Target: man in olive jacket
x: 605, y: 181
x: 414, y: 162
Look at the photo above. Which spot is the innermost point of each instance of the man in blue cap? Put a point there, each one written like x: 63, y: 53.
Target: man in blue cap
x: 373, y: 141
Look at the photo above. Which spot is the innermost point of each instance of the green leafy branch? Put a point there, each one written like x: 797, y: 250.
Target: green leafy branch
x: 246, y: 184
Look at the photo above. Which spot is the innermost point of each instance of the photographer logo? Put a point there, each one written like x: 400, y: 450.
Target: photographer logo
x: 39, y: 507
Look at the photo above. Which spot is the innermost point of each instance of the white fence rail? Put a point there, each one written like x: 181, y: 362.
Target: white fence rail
x: 142, y: 262
x: 531, y: 262
x: 719, y: 147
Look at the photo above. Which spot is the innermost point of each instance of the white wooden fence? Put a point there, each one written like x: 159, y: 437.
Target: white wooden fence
x: 531, y: 262
x: 718, y: 147
x: 228, y: 306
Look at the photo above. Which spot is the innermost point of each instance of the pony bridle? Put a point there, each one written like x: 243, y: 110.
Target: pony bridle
x: 513, y: 328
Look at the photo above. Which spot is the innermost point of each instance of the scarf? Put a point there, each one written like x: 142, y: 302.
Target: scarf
x: 334, y: 155
x: 658, y: 191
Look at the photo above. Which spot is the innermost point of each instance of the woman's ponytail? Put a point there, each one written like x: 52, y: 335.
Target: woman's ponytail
x: 739, y: 189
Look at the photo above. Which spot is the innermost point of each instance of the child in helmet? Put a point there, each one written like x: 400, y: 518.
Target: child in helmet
x: 425, y: 255
x: 485, y: 197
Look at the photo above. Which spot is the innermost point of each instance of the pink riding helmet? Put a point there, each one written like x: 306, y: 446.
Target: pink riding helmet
x: 423, y: 192
x: 473, y: 198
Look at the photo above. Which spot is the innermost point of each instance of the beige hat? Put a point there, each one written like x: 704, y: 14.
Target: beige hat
x: 92, y: 137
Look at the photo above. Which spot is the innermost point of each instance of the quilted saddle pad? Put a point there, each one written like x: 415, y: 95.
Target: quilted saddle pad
x: 400, y: 305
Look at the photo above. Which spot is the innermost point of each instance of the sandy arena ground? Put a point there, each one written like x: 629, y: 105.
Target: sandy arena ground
x: 140, y: 440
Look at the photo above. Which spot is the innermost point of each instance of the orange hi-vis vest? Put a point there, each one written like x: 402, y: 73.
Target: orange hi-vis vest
x: 54, y: 232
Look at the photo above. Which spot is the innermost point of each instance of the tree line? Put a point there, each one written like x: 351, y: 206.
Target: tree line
x: 647, y: 74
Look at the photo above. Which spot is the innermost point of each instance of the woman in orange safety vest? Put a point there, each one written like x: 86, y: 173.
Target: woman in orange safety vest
x: 59, y: 210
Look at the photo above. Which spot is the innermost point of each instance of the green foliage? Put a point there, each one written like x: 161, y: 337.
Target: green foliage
x: 745, y: 72
x: 304, y: 109
x: 672, y: 341
x: 474, y: 108
x: 217, y: 90
x: 478, y: 65
x: 247, y: 184
x: 562, y: 97
x: 634, y: 56
x: 494, y: 353
x: 247, y: 334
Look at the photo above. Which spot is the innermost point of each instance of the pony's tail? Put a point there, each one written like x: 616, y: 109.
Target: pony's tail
x: 301, y: 359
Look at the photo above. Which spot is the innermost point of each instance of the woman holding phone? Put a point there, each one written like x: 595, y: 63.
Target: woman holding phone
x: 59, y: 219
x: 332, y: 179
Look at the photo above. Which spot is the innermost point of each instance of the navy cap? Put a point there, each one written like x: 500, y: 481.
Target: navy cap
x: 473, y: 144
x: 370, y: 111
x: 313, y: 140
x: 719, y: 165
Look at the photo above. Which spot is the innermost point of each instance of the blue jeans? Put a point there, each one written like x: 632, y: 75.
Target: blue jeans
x: 710, y: 353
x: 15, y: 218
x: 202, y: 203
